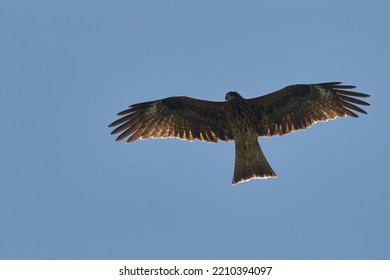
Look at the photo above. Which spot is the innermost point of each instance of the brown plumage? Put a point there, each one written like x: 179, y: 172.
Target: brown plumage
x: 242, y: 120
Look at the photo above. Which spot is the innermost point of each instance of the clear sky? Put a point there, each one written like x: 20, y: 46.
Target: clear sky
x: 68, y: 191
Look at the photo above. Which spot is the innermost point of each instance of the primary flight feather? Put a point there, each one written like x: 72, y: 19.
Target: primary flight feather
x: 242, y: 120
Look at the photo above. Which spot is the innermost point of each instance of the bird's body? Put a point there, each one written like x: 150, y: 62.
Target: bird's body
x: 239, y: 119
x: 250, y: 161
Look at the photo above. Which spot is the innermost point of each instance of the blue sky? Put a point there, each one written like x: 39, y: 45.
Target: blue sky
x: 68, y: 191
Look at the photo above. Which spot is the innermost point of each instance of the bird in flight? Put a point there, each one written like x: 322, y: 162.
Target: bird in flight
x: 241, y: 120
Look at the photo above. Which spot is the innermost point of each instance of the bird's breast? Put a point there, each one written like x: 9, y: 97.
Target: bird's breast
x: 241, y: 118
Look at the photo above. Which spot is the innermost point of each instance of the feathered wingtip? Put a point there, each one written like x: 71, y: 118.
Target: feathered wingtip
x: 344, y: 93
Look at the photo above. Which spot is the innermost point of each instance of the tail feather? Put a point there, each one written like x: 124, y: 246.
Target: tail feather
x: 250, y: 162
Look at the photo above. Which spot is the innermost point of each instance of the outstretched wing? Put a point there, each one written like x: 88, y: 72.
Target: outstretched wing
x: 300, y: 106
x: 178, y: 117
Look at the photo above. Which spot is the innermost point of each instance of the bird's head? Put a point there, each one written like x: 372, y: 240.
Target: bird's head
x: 232, y: 94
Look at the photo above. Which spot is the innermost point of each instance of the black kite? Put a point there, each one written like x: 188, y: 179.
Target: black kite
x: 242, y: 120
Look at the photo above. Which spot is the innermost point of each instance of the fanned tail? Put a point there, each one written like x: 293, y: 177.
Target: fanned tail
x: 250, y: 162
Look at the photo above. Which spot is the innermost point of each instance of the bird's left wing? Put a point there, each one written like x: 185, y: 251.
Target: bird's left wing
x: 174, y: 117
x: 299, y: 106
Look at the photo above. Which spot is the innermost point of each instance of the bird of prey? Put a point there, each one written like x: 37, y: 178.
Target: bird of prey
x: 241, y: 120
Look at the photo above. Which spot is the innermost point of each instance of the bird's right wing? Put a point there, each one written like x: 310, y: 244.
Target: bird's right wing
x: 174, y: 117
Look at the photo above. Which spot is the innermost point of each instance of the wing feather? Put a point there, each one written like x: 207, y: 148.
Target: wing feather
x: 354, y: 100
x: 179, y: 117
x: 300, y: 106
